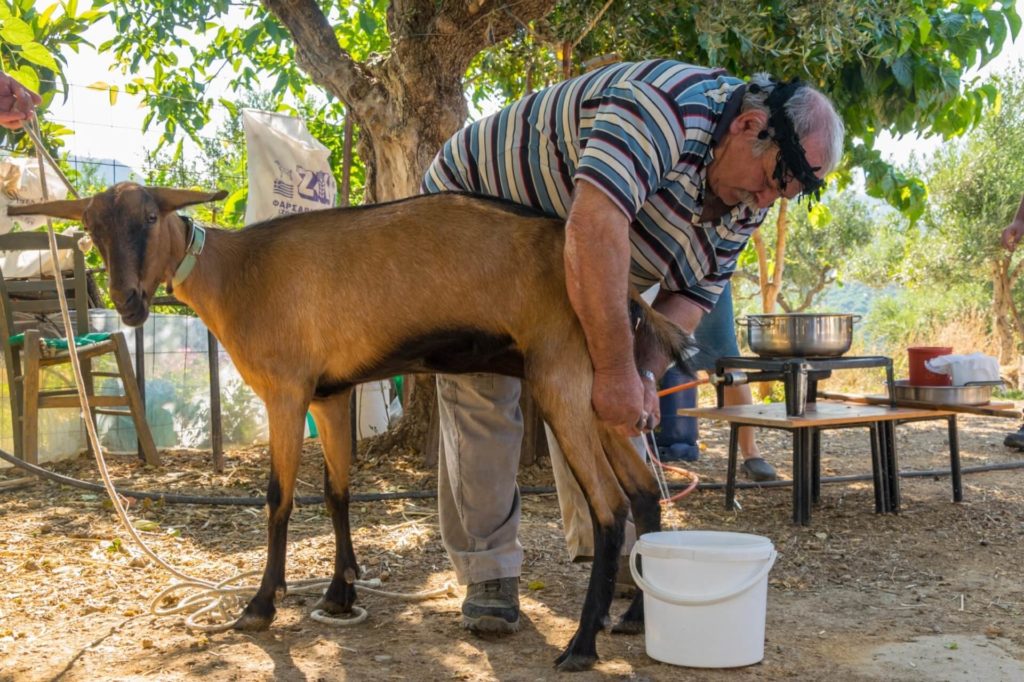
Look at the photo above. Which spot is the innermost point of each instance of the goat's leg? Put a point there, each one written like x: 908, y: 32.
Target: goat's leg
x: 334, y: 423
x: 641, y: 488
x: 286, y: 419
x: 566, y: 406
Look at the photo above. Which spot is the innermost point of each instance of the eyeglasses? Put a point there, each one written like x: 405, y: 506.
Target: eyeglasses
x: 810, y: 184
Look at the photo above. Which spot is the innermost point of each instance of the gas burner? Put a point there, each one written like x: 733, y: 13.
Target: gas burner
x: 800, y: 376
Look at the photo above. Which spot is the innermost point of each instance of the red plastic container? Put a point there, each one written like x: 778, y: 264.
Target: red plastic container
x: 921, y: 375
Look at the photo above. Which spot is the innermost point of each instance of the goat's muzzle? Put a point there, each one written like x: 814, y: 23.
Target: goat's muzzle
x: 134, y: 309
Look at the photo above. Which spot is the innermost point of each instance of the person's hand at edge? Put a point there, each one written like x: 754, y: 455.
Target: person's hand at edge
x: 17, y: 103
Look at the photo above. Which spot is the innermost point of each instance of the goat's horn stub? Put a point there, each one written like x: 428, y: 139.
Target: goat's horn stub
x: 70, y: 209
x: 171, y: 199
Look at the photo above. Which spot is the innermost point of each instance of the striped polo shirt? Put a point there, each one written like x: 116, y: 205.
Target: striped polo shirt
x: 643, y: 133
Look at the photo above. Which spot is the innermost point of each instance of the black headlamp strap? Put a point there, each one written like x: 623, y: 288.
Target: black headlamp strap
x: 792, y: 161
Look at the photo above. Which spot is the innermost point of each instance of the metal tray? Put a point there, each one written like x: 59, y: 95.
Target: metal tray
x: 978, y: 393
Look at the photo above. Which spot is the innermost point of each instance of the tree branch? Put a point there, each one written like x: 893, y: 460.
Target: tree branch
x: 1015, y: 272
x: 318, y: 53
x: 813, y: 291
x: 591, y: 24
x: 462, y: 29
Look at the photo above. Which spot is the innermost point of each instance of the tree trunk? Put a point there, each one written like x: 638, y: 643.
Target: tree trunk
x: 407, y: 104
x: 1002, y: 311
x: 770, y: 278
x: 771, y: 281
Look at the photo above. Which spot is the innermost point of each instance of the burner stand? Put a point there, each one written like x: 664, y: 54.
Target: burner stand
x: 800, y: 376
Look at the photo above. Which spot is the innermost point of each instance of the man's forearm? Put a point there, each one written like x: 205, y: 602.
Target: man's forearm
x: 597, y: 273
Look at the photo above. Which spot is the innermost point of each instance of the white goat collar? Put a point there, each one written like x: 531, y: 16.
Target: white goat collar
x: 194, y: 248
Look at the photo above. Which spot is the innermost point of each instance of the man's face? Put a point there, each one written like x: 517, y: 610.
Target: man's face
x: 753, y: 182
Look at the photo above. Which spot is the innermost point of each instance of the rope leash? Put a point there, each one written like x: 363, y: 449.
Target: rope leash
x: 215, y: 600
x: 225, y: 599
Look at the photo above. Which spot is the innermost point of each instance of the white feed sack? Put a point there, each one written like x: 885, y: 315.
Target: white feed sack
x: 289, y: 171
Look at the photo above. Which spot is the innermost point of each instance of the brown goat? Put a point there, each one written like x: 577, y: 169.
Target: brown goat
x: 310, y: 305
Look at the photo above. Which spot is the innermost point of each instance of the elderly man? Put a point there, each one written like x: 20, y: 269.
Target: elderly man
x: 663, y: 171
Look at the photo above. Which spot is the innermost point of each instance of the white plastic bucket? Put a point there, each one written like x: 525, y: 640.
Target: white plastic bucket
x: 705, y: 595
x: 372, y: 408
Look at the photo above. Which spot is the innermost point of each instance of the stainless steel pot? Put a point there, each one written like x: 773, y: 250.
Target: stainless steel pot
x: 800, y: 335
x: 977, y: 393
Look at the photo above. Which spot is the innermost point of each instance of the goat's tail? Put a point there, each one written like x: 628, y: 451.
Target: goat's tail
x: 652, y: 329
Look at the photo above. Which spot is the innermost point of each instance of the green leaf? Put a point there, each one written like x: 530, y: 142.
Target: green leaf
x: 27, y: 76
x: 44, y: 16
x: 1013, y: 19
x: 997, y: 29
x: 16, y: 32
x: 924, y: 25
x: 235, y: 203
x: 903, y: 72
x: 907, y: 35
x: 37, y: 54
x: 950, y: 78
x: 952, y: 24
x: 367, y: 22
x: 819, y: 215
x: 112, y: 94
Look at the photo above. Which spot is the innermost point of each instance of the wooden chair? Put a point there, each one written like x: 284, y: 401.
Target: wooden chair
x: 26, y: 356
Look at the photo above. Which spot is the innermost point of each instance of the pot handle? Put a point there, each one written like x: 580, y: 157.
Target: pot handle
x: 856, y: 318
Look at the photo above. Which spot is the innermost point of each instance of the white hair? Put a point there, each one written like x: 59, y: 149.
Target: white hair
x: 810, y: 111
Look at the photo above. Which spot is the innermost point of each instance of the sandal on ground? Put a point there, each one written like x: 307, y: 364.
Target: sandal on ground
x: 758, y: 470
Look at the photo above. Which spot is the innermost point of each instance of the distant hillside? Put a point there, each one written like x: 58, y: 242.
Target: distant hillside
x: 854, y: 298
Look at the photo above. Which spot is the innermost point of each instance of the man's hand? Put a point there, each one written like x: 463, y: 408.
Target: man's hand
x: 624, y: 401
x: 17, y: 103
x: 1012, y: 235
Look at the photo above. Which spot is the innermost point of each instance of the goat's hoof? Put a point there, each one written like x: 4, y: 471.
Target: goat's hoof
x: 628, y: 627
x: 332, y: 608
x: 574, y: 663
x: 255, y: 618
x: 252, y: 623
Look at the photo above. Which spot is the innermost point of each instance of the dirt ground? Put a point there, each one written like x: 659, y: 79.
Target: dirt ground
x: 933, y: 593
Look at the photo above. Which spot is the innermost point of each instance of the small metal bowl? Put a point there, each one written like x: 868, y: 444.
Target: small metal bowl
x: 977, y: 393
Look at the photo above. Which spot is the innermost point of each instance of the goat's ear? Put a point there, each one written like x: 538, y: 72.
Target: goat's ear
x: 70, y: 209
x: 170, y: 199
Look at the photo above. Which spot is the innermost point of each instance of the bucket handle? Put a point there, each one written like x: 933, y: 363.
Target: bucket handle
x: 696, y: 600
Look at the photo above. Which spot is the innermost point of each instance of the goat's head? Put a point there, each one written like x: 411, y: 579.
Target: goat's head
x: 135, y: 230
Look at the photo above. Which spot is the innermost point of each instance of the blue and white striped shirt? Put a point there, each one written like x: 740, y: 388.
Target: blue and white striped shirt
x: 640, y: 132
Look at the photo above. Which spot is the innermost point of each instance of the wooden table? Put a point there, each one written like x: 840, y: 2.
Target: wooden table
x: 806, y: 429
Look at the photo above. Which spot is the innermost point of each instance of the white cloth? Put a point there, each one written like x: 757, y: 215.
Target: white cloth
x: 964, y: 369
x: 20, y: 185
